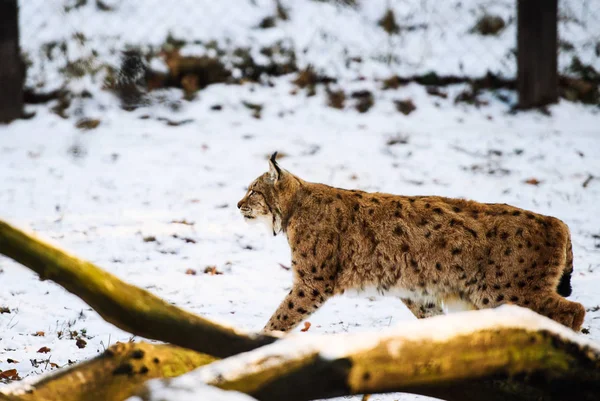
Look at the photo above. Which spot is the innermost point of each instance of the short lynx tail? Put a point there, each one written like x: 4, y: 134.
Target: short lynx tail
x: 564, y: 285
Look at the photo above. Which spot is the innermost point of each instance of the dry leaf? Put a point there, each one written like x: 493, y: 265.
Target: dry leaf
x: 44, y: 350
x: 435, y: 91
x: 39, y: 334
x: 87, y: 123
x: 212, y: 270
x: 405, y: 106
x: 191, y: 272
x: 533, y: 181
x: 10, y: 374
x: 186, y: 239
x: 81, y: 343
x: 184, y: 222
x: 53, y: 365
x: 398, y: 140
x: 306, y: 327
x: 11, y: 361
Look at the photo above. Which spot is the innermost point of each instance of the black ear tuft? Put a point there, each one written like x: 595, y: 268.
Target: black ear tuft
x: 274, y: 161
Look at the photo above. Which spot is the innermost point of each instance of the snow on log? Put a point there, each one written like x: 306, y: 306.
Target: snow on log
x: 509, y: 353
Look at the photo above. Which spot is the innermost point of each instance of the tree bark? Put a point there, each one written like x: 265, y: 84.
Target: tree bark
x: 128, y: 307
x: 115, y: 375
x: 12, y: 68
x: 516, y: 356
x: 537, y: 52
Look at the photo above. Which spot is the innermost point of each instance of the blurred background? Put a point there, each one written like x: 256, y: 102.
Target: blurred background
x: 253, y: 39
x: 133, y: 127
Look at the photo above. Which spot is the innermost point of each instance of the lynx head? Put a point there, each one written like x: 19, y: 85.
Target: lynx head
x: 266, y: 197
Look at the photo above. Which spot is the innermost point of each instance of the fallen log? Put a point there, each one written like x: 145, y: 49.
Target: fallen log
x: 509, y: 353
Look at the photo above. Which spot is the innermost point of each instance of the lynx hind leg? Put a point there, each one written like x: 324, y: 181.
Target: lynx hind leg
x: 423, y: 309
x: 565, y: 312
x: 547, y: 303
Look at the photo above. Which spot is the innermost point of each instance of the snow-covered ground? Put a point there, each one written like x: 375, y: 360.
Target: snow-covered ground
x: 151, y: 202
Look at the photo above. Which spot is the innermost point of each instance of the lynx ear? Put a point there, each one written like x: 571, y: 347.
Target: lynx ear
x: 274, y: 170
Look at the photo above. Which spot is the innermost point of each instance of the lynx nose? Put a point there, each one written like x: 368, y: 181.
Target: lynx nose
x: 239, y: 205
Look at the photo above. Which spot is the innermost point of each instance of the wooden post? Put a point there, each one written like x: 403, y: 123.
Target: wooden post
x: 537, y: 52
x: 12, y: 68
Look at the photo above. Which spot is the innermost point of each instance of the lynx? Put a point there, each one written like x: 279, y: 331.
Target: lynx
x: 436, y: 254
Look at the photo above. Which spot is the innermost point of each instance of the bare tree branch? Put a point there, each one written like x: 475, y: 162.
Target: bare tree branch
x: 127, y: 307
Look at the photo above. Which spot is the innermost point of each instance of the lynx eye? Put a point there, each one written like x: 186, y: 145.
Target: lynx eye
x: 251, y: 193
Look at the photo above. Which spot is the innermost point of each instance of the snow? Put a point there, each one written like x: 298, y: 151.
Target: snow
x: 102, y: 194
x: 192, y: 392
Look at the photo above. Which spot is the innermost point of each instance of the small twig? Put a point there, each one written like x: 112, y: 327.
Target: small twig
x: 467, y: 152
x: 11, y: 319
x: 587, y: 180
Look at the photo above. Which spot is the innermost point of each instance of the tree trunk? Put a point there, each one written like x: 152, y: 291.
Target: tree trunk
x: 113, y: 376
x: 128, y: 307
x: 12, y: 68
x: 537, y: 52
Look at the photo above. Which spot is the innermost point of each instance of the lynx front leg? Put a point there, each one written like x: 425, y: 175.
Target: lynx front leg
x: 300, y: 303
x: 315, y: 272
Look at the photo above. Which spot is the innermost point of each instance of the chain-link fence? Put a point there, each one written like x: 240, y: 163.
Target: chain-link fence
x: 343, y: 38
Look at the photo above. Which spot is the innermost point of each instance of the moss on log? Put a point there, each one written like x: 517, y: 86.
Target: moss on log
x: 115, y: 375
